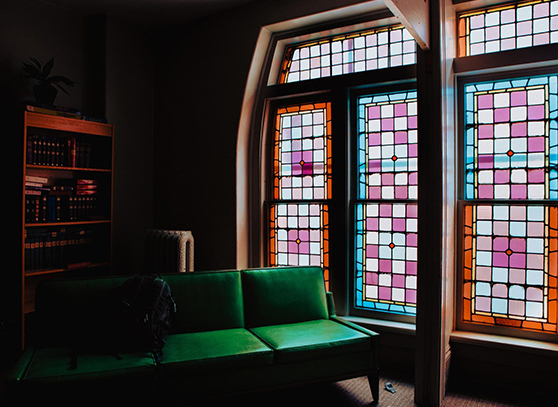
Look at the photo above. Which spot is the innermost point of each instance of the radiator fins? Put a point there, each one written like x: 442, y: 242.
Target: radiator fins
x: 169, y: 251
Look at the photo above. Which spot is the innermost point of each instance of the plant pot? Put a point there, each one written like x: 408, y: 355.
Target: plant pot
x: 45, y: 93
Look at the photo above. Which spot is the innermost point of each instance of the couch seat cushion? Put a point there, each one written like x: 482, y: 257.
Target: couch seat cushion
x: 54, y: 364
x: 312, y: 340
x: 189, y: 353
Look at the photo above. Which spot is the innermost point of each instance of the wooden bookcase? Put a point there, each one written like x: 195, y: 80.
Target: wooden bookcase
x: 67, y: 201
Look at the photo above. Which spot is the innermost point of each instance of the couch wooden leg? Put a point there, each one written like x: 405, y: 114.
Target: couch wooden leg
x: 374, y: 382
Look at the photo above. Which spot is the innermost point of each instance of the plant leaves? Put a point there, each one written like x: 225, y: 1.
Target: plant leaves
x: 63, y: 79
x: 32, y: 71
x: 61, y: 88
x: 48, y: 67
x: 36, y: 63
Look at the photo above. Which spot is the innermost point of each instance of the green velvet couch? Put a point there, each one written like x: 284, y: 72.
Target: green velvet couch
x: 234, y: 331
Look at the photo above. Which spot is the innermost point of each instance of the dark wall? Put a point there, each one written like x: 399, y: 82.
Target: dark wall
x: 201, y: 72
x: 35, y: 28
x: 129, y: 105
x: 28, y: 28
x: 31, y: 28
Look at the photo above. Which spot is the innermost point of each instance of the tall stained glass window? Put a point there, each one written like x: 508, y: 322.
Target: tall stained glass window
x: 299, y: 219
x: 510, y: 216
x: 507, y: 27
x: 358, y: 52
x: 386, y: 209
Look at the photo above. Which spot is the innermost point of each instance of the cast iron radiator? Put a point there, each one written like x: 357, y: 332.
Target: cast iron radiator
x: 169, y: 251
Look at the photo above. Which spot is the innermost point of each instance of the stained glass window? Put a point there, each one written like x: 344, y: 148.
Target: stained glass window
x: 386, y: 214
x: 510, y: 240
x: 511, y: 266
x: 299, y: 235
x: 508, y: 27
x: 299, y: 215
x: 357, y: 52
x: 512, y: 139
x: 302, y: 152
x: 387, y: 146
x: 386, y: 251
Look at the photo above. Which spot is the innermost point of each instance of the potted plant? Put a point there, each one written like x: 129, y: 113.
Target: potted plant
x: 45, y: 92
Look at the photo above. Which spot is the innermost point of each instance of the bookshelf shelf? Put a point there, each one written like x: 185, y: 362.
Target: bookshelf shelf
x: 84, y: 223
x: 49, y: 168
x: 67, y: 200
x: 62, y: 270
x: 61, y: 123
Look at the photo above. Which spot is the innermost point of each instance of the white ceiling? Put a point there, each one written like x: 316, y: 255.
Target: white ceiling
x: 150, y: 13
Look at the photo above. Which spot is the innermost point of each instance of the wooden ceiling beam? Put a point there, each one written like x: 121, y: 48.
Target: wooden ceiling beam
x: 413, y: 14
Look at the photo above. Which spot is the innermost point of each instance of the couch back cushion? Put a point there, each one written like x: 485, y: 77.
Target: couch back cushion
x: 206, y: 301
x: 84, y: 311
x: 283, y: 295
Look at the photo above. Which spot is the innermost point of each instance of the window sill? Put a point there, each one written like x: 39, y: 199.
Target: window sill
x: 505, y: 342
x: 383, y: 325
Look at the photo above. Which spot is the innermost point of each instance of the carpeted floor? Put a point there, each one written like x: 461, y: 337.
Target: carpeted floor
x: 356, y: 393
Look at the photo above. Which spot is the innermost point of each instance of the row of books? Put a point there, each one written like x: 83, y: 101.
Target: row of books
x: 58, y: 152
x: 62, y: 112
x: 59, y: 248
x: 37, y: 185
x: 65, y: 201
x: 43, y: 208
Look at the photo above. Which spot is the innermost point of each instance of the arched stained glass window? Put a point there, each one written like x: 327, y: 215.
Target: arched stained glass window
x: 358, y: 52
x: 311, y: 196
x: 507, y: 27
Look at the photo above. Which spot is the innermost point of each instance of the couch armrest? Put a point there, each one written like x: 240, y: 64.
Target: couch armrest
x: 355, y: 326
x: 374, y: 336
x: 330, y: 304
x: 17, y: 372
x: 15, y: 375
